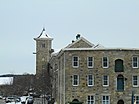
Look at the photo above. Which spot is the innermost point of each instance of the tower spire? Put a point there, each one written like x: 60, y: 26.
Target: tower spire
x: 43, y: 34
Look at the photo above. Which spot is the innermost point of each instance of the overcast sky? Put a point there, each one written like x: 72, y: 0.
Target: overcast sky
x: 112, y: 23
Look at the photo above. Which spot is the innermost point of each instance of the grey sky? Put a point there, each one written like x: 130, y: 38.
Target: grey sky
x: 112, y: 23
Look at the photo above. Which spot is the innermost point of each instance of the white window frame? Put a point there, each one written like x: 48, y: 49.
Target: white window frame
x: 136, y: 99
x: 104, y: 101
x: 88, y: 80
x: 104, y: 62
x: 90, y: 100
x: 73, y: 80
x: 137, y: 81
x: 134, y: 62
x: 73, y: 61
x: 88, y: 61
x: 107, y: 80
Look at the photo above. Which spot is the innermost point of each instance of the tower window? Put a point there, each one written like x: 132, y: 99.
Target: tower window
x: 43, y: 45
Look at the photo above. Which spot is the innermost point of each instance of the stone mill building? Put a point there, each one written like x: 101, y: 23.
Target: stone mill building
x: 85, y: 73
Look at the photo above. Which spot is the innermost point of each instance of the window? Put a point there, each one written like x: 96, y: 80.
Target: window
x: 75, y: 62
x: 90, y: 62
x: 105, y: 80
x: 90, y: 80
x: 119, y: 67
x: 43, y: 45
x: 135, y: 81
x: 135, y: 62
x: 136, y: 99
x: 90, y: 99
x: 75, y: 80
x: 105, y: 100
x: 105, y: 62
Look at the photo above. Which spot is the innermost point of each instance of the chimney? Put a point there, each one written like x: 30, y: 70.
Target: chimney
x: 77, y: 36
x: 72, y: 41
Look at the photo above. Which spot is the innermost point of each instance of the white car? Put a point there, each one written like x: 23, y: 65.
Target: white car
x: 23, y: 99
x: 15, y: 101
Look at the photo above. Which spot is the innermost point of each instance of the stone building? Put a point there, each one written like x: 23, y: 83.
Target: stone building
x: 84, y: 73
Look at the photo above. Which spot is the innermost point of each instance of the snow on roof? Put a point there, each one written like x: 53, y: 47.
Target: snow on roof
x: 81, y: 38
x: 56, y: 51
x: 6, y: 80
x: 43, y: 34
x: 99, y: 46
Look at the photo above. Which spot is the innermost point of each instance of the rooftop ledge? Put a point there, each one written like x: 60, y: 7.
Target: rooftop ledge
x: 103, y: 49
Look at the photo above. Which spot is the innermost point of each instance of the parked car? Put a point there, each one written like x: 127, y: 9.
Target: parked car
x: 13, y: 100
x: 9, y: 99
x: 14, y: 103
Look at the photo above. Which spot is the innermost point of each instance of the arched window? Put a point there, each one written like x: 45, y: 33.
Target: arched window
x: 120, y: 83
x: 76, y: 101
x: 119, y: 67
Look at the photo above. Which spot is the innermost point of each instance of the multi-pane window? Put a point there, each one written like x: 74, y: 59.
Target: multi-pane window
x: 90, y: 99
x: 90, y: 62
x: 75, y: 61
x: 90, y: 80
x: 135, y: 81
x: 135, y: 62
x: 105, y: 100
x: 105, y: 80
x: 75, y: 80
x: 136, y: 99
x: 105, y: 62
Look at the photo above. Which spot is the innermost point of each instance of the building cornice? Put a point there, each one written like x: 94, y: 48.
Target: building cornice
x: 100, y: 49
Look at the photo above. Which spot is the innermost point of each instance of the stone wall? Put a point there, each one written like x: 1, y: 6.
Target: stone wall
x: 82, y: 91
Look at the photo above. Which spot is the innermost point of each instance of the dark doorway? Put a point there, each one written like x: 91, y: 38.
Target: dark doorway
x: 120, y: 102
x: 120, y: 83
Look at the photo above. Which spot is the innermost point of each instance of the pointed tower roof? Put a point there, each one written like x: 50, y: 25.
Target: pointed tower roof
x: 43, y: 35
